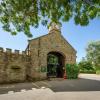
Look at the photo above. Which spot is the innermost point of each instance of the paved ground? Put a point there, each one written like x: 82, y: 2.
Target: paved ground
x: 47, y: 94
x: 86, y: 82
x: 87, y: 87
x: 90, y: 76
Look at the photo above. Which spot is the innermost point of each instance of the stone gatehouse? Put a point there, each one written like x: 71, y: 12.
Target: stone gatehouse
x: 45, y: 56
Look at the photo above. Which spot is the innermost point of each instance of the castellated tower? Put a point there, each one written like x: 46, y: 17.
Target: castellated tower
x: 13, y: 65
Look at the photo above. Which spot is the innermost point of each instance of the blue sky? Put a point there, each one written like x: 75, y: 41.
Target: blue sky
x: 77, y: 36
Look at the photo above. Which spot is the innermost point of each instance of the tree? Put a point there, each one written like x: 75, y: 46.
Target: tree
x: 86, y: 66
x: 93, y: 53
x: 19, y: 15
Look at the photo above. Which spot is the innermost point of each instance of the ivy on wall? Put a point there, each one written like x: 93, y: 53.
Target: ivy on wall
x: 41, y: 69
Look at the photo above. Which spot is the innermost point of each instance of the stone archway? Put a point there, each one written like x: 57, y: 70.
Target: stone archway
x: 55, y: 64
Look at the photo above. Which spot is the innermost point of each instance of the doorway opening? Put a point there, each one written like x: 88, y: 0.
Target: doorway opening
x: 55, y: 64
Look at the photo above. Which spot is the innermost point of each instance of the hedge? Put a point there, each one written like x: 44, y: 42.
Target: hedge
x: 72, y: 71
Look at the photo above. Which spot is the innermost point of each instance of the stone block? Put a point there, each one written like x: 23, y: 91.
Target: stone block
x: 17, y: 52
x: 23, y: 53
x: 8, y: 51
x: 1, y: 49
x: 10, y: 92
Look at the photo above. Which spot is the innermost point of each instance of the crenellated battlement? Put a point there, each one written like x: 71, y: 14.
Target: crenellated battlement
x: 9, y: 51
x: 1, y: 49
x: 8, y: 54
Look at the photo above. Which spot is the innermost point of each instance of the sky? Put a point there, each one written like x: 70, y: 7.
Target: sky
x: 77, y: 36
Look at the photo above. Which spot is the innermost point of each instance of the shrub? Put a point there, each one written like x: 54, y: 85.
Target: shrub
x: 72, y: 71
x: 97, y: 70
x: 86, y: 67
x: 88, y: 71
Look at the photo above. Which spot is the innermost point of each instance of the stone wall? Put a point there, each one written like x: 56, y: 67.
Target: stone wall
x: 13, y: 66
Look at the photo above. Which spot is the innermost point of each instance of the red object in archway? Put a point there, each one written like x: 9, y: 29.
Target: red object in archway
x: 65, y: 76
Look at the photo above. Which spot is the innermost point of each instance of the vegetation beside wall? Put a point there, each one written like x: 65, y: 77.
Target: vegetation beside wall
x: 93, y: 54
x: 98, y: 70
x: 72, y: 71
x: 86, y: 67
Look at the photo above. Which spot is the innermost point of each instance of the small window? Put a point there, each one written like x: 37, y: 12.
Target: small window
x: 15, y: 67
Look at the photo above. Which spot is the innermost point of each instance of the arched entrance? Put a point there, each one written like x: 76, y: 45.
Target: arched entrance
x: 55, y: 64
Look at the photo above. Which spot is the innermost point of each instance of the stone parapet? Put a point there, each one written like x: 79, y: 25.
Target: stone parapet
x: 16, y: 55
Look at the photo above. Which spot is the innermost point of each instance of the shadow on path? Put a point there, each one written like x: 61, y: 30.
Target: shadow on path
x: 76, y: 85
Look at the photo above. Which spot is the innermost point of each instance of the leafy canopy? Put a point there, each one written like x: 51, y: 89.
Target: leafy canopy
x: 93, y: 53
x: 19, y: 15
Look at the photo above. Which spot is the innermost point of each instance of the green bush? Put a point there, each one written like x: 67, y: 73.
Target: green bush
x: 97, y: 70
x: 86, y: 67
x: 72, y: 71
x: 88, y: 71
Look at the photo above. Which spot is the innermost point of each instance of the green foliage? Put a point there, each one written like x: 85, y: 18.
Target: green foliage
x: 19, y: 15
x: 93, y: 53
x: 86, y: 67
x: 43, y: 69
x: 72, y: 71
x: 88, y: 71
x: 52, y: 59
x: 97, y: 70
